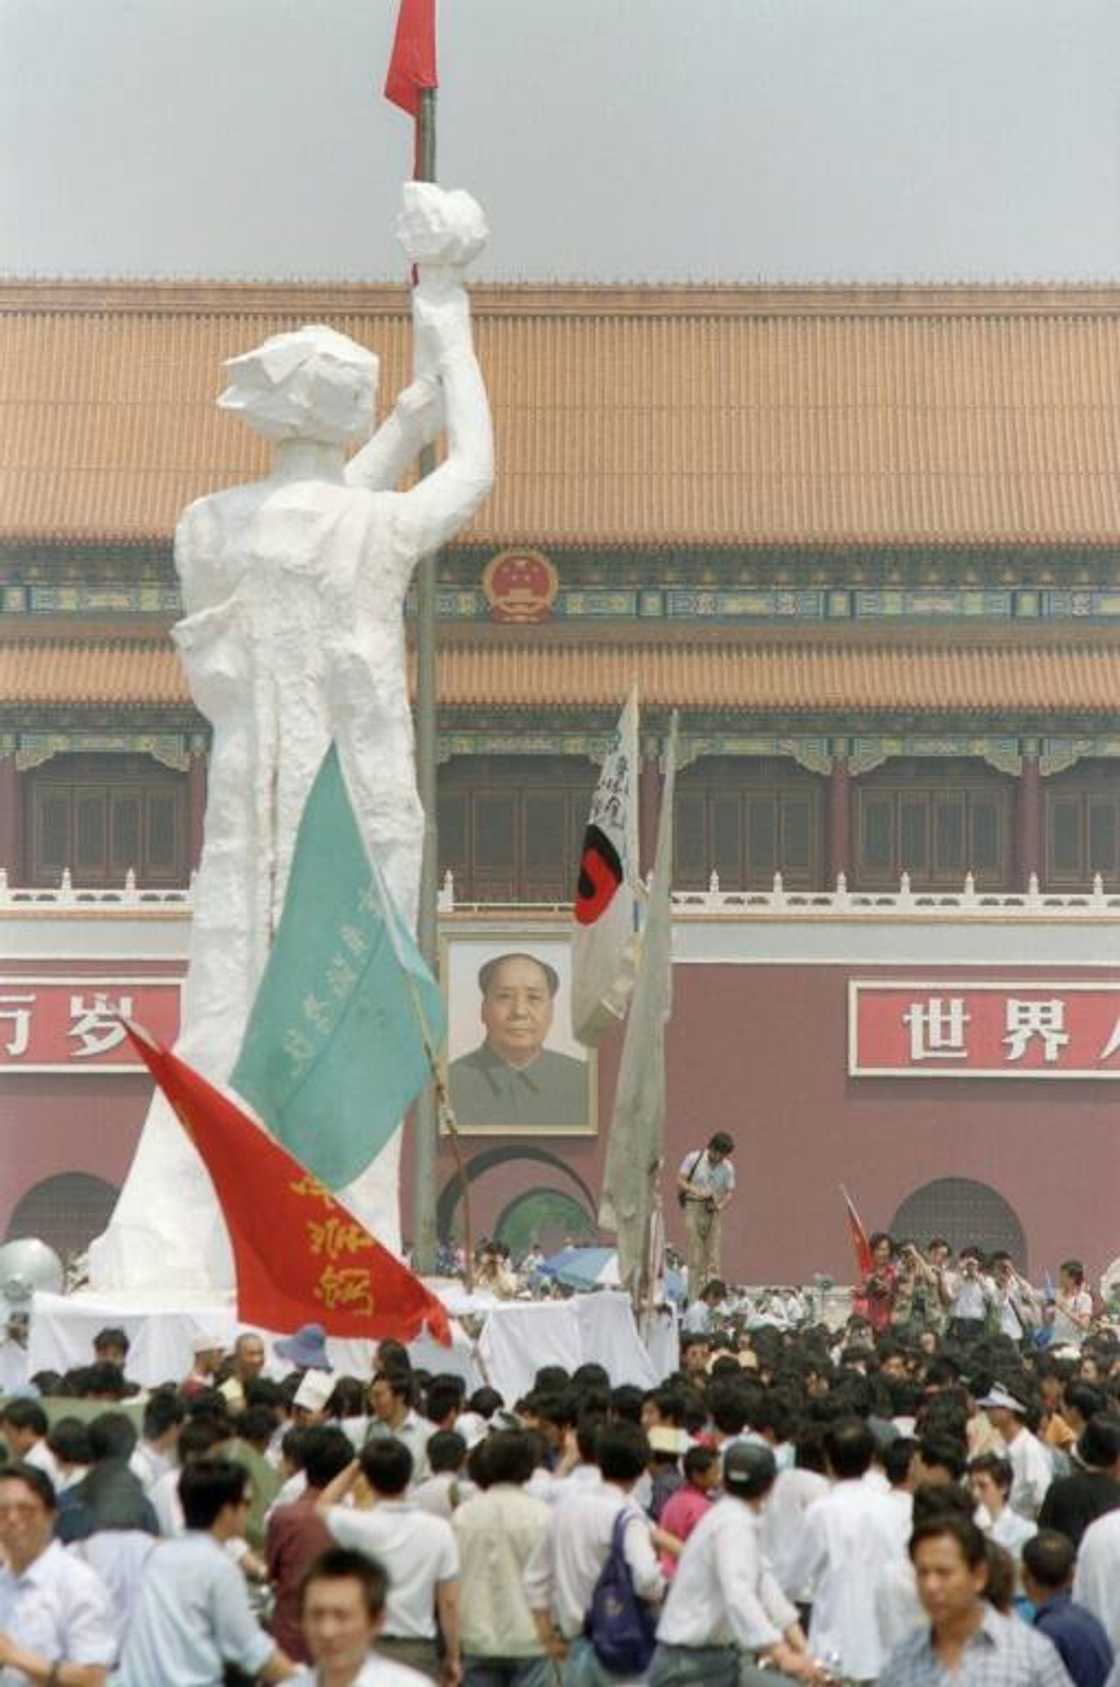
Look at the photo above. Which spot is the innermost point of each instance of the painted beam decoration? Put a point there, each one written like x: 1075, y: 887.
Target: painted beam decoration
x: 53, y: 1024
x: 1025, y: 1028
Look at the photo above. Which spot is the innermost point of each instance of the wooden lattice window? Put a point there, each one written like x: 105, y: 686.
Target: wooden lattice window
x: 747, y: 819
x: 936, y: 821
x: 99, y: 815
x: 510, y: 827
x: 1081, y: 826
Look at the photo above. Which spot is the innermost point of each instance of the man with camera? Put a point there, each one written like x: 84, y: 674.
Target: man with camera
x: 705, y: 1185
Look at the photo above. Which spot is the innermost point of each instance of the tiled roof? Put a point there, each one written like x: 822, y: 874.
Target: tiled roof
x: 855, y: 677
x: 628, y: 416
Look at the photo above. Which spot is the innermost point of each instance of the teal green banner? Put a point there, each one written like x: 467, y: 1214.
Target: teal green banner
x: 334, y: 1055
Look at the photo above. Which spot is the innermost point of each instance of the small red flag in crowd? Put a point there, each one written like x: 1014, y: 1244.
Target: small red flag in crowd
x: 298, y: 1253
x: 412, y: 67
x: 858, y: 1234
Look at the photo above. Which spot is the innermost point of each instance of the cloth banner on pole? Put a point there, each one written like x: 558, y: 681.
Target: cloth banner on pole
x: 861, y: 1247
x: 412, y: 64
x: 335, y: 1050
x: 605, y: 942
x: 635, y: 1148
x: 299, y: 1254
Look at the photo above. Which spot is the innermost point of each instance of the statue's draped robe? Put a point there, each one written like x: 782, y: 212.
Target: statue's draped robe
x: 293, y: 636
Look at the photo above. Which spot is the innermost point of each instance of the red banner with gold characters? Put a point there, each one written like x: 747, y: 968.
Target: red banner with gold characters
x: 1024, y: 1028
x: 300, y: 1256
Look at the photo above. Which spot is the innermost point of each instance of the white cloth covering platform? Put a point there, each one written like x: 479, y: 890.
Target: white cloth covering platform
x: 517, y: 1338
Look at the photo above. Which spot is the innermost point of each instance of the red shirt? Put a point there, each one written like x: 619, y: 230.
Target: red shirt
x: 295, y: 1538
x: 683, y: 1510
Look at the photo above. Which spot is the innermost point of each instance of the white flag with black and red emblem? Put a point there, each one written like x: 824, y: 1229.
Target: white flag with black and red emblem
x: 608, y: 893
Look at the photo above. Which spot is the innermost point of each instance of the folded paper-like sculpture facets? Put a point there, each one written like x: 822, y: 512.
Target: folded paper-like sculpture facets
x: 438, y: 226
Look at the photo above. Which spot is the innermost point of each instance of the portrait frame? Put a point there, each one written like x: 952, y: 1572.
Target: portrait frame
x: 461, y: 956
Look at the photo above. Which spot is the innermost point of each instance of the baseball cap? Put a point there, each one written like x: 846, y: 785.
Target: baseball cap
x: 749, y: 1469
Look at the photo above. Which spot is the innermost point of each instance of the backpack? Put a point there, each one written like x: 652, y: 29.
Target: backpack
x: 619, y: 1625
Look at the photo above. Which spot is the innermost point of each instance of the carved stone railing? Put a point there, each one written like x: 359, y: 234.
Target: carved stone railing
x: 776, y: 902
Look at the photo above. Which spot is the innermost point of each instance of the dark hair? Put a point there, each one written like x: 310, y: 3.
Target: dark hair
x: 263, y: 1391
x: 324, y: 1452
x: 1073, y: 1268
x: 698, y: 1461
x: 878, y: 1236
x: 1085, y: 1398
x: 897, y: 1457
x: 588, y: 1430
x: 1099, y: 1445
x: 714, y: 1286
x: 207, y: 1486
x: 488, y: 968
x: 386, y: 1465
x: 48, y: 1382
x: 999, y: 1589
x: 24, y: 1414
x: 621, y: 1452
x: 34, y: 1478
x: 399, y: 1381
x: 199, y: 1437
x: 999, y: 1469
x: 938, y: 1242
x: 941, y: 1500
x: 111, y: 1336
x: 443, y: 1398
x: 486, y: 1401
x: 446, y: 1450
x: 1049, y: 1556
x: 669, y: 1403
x: 392, y: 1355
x: 729, y: 1406
x: 256, y: 1425
x: 943, y: 1452
x: 347, y: 1399
x: 340, y: 1564
x: 551, y: 1379
x: 591, y: 1375
x: 509, y: 1456
x: 626, y: 1403
x: 162, y: 1411
x: 850, y: 1447
x: 68, y: 1440
x: 961, y: 1529
x: 112, y: 1435
x: 721, y: 1143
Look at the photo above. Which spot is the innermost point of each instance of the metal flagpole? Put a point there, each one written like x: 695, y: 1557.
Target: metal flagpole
x: 427, y: 927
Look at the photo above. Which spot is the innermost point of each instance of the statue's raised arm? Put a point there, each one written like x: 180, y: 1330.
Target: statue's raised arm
x: 441, y: 232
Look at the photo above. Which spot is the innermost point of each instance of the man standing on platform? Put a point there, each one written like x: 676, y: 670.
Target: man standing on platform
x: 705, y: 1185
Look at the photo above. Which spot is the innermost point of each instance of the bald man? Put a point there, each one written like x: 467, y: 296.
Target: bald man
x: 511, y: 1081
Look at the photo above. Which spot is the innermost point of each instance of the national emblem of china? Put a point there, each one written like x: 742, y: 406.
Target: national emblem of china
x: 520, y: 586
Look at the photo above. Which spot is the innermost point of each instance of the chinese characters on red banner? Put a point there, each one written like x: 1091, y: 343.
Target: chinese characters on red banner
x: 72, y: 1024
x: 1016, y: 1029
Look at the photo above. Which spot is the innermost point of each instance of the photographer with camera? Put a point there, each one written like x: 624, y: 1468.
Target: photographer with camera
x: 705, y: 1185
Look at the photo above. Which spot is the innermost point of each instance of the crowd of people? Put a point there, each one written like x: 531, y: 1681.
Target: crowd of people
x: 927, y: 1492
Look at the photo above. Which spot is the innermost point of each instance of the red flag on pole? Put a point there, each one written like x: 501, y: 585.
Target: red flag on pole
x: 300, y: 1255
x: 858, y: 1234
x: 412, y: 66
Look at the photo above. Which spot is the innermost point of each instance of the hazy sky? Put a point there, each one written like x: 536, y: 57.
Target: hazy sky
x: 608, y: 139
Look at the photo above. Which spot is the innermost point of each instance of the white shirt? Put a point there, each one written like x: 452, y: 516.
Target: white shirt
x: 848, y: 1539
x: 706, y: 1179
x: 581, y: 1479
x: 561, y: 1575
x: 413, y: 1430
x: 119, y: 1557
x: 1011, y: 1531
x: 168, y: 1507
x: 149, y: 1464
x: 191, y: 1616
x: 972, y: 1299
x: 497, y: 1533
x: 377, y: 1672
x: 1032, y: 1473
x: 790, y: 1497
x: 417, y: 1549
x: 1067, y: 1328
x: 43, y: 1459
x: 698, y: 1320
x: 901, y: 1502
x: 440, y: 1495
x: 1096, y: 1580
x: 58, y: 1608
x: 724, y: 1592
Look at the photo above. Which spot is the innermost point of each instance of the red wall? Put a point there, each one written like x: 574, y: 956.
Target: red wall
x: 760, y: 1052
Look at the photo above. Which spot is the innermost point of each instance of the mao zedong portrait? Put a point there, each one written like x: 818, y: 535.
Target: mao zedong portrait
x: 512, y: 1081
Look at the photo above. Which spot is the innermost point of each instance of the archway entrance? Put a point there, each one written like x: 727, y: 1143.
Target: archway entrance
x: 66, y: 1212
x: 547, y: 1217
x: 962, y: 1211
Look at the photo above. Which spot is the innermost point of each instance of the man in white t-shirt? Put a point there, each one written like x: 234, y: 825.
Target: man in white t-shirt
x: 419, y: 1549
x: 342, y: 1612
x: 1032, y: 1469
x: 1073, y: 1305
x: 705, y: 1185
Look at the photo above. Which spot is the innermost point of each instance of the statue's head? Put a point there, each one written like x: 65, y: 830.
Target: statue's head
x: 311, y: 384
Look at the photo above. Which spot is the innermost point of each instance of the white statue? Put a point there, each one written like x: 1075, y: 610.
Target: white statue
x: 293, y: 635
